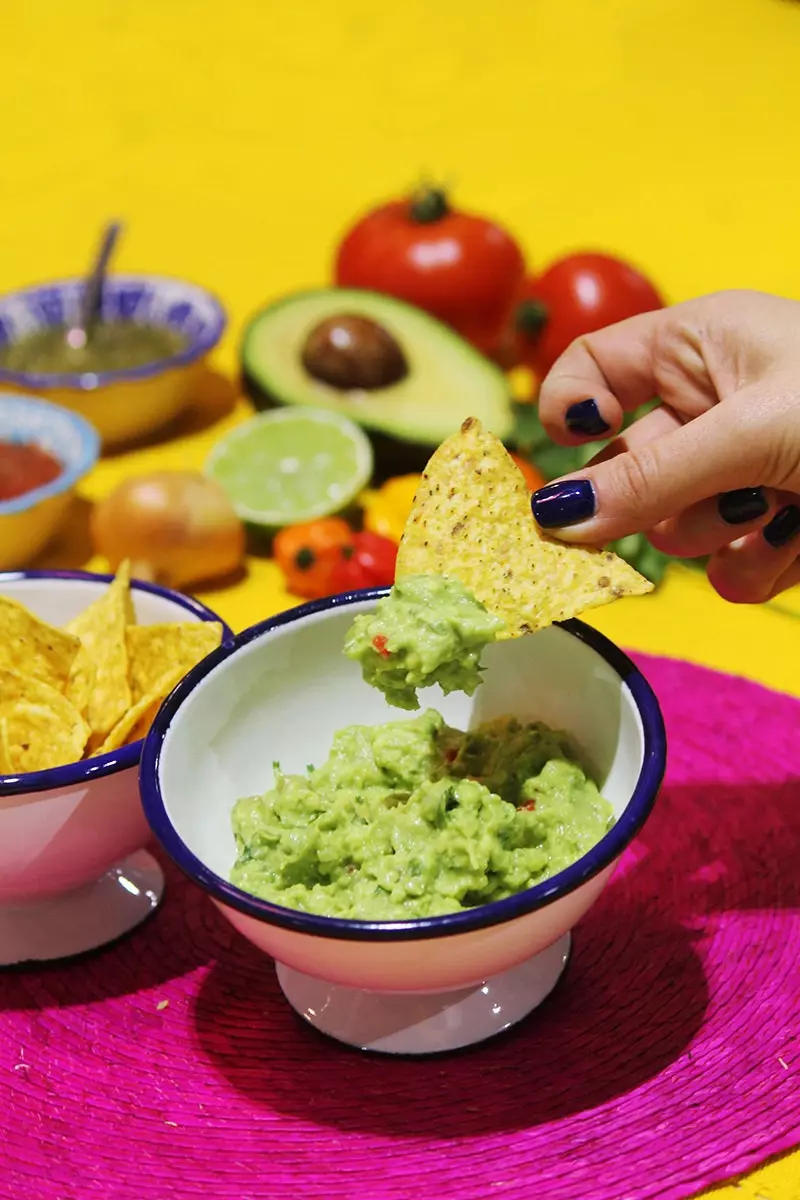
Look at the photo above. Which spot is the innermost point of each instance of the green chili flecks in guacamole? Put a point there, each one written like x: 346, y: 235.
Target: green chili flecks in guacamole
x: 428, y: 630
x: 414, y: 819
x: 112, y: 346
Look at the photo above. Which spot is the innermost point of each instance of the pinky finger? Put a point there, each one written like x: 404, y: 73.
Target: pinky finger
x: 760, y: 565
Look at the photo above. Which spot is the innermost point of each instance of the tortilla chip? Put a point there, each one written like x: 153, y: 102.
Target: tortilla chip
x: 33, y: 647
x: 154, y: 648
x: 472, y: 520
x: 42, y: 728
x: 6, y: 765
x: 81, y: 682
x: 145, y: 708
x: 101, y: 668
x: 142, y: 726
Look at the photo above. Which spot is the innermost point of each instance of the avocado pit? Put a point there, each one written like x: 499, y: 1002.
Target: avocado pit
x: 349, y: 352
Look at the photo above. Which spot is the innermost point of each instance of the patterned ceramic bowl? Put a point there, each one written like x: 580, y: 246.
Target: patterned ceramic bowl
x: 28, y: 522
x: 280, y: 692
x: 73, y: 871
x: 123, y: 405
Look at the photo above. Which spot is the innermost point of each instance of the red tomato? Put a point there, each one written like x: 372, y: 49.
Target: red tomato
x: 369, y: 561
x: 463, y: 269
x: 575, y: 296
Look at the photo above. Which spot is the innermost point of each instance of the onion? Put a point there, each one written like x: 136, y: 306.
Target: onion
x: 176, y: 527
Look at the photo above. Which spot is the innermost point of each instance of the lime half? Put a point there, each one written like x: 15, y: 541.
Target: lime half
x: 291, y: 465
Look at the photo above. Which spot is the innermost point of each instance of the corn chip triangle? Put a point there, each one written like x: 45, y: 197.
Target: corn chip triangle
x: 472, y: 520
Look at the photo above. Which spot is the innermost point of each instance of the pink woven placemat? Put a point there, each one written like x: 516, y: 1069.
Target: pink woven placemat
x: 170, y: 1065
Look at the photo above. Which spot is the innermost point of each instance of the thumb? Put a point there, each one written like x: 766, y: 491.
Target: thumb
x: 726, y: 448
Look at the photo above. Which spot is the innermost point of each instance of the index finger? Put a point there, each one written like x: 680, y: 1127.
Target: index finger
x: 619, y: 369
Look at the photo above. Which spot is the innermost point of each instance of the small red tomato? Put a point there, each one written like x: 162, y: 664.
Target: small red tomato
x: 575, y: 296
x: 461, y: 268
x: 300, y: 552
x: 369, y: 561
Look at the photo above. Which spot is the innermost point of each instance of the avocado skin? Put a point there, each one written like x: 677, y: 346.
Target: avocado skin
x: 392, y: 456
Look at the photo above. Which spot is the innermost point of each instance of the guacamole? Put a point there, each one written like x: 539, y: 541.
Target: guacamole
x: 429, y: 629
x: 415, y: 819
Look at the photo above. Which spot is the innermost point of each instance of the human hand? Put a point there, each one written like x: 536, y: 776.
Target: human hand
x: 715, y: 468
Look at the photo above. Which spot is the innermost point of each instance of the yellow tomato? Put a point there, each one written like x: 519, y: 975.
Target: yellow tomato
x: 386, y: 511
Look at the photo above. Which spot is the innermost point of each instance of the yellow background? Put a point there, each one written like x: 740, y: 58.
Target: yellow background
x: 237, y: 139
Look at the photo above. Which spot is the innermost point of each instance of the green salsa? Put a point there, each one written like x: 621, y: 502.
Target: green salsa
x: 428, y: 630
x: 112, y: 346
x: 415, y: 819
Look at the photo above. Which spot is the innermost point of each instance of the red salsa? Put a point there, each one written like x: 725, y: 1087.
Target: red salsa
x: 23, y: 467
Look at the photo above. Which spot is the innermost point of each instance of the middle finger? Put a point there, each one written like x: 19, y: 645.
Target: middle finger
x: 706, y: 527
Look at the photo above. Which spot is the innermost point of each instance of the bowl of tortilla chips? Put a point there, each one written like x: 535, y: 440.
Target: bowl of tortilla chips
x: 231, y: 791
x: 85, y: 662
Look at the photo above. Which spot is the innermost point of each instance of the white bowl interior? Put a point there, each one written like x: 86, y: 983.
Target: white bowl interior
x: 284, y: 696
x: 58, y: 601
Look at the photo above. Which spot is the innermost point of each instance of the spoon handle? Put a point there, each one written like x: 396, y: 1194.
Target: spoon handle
x: 94, y: 283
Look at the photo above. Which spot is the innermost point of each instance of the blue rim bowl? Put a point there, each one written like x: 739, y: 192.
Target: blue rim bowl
x: 63, y: 433
x: 116, y: 760
x: 143, y: 298
x: 600, y: 856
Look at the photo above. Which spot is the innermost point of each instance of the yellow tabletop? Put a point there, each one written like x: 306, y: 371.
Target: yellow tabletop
x: 236, y: 140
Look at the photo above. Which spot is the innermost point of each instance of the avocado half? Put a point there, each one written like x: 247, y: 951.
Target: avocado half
x: 447, y: 379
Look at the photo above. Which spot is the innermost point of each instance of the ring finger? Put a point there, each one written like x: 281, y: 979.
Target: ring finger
x: 706, y: 527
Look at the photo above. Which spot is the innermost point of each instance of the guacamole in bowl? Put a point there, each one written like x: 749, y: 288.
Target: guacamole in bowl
x: 416, y: 819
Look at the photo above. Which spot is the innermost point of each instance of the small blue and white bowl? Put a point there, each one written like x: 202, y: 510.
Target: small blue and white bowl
x: 280, y: 692
x: 123, y: 405
x: 30, y: 521
x: 74, y: 873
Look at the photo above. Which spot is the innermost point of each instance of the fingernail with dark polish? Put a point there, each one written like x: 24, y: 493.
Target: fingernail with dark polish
x: 561, y: 504
x: 743, y: 505
x: 585, y: 419
x: 783, y: 527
